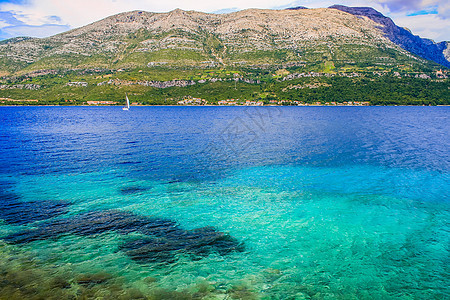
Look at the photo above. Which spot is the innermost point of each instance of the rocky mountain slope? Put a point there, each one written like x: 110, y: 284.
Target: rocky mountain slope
x: 424, y: 48
x: 255, y: 38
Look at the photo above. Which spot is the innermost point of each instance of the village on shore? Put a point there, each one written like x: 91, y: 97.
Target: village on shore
x: 237, y: 102
x: 265, y: 99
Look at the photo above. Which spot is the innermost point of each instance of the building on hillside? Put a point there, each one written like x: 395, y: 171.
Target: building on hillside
x: 440, y: 74
x: 100, y: 102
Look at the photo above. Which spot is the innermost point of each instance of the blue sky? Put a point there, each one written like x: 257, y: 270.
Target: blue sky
x: 42, y: 18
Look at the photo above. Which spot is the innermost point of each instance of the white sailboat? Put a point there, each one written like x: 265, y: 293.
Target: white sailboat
x: 128, y: 103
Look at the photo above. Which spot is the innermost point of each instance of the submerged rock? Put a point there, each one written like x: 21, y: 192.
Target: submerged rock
x: 130, y: 190
x: 198, y: 242
x: 93, y: 279
x: 15, y: 211
x: 164, y: 238
x: 95, y: 222
x: 59, y: 283
x: 242, y: 292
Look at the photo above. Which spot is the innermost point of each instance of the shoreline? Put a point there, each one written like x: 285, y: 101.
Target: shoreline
x: 168, y: 105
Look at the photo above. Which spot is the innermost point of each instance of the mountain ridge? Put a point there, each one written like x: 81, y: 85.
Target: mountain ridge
x: 247, y: 37
x: 422, y: 47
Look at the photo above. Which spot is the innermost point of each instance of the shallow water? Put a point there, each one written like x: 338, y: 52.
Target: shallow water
x: 224, y: 202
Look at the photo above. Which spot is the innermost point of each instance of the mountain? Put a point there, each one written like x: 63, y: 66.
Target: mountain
x: 15, y: 40
x: 342, y: 36
x: 424, y: 48
x: 298, y: 56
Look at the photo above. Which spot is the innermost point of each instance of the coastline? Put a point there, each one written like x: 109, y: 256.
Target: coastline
x: 168, y: 105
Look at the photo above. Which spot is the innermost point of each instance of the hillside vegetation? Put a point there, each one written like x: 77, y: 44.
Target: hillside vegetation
x: 271, y: 56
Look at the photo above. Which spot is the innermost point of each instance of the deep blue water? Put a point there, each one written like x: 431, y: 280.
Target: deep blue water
x: 216, y: 202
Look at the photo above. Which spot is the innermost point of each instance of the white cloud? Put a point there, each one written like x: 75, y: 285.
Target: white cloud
x: 407, y: 5
x: 33, y: 31
x: 444, y: 10
x: 4, y: 24
x: 420, y: 25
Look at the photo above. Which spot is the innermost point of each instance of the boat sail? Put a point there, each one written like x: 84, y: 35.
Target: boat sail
x: 128, y: 103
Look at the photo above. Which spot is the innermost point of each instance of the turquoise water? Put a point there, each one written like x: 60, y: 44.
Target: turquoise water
x: 300, y: 203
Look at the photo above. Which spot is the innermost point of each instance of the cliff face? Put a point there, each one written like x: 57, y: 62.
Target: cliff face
x: 424, y: 48
x: 446, y: 50
x: 251, y: 37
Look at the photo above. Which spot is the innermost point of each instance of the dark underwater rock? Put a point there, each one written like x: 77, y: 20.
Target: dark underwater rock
x: 95, y: 222
x: 198, y: 242
x: 164, y: 238
x: 93, y: 279
x: 59, y: 283
x: 130, y: 190
x: 15, y: 211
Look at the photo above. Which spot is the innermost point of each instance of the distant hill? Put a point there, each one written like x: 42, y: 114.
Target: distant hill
x: 424, y: 48
x: 299, y: 56
x: 253, y: 38
x: 15, y: 40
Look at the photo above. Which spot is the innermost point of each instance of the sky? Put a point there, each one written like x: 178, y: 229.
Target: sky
x: 43, y: 18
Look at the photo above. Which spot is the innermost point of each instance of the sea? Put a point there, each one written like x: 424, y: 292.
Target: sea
x: 224, y: 202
